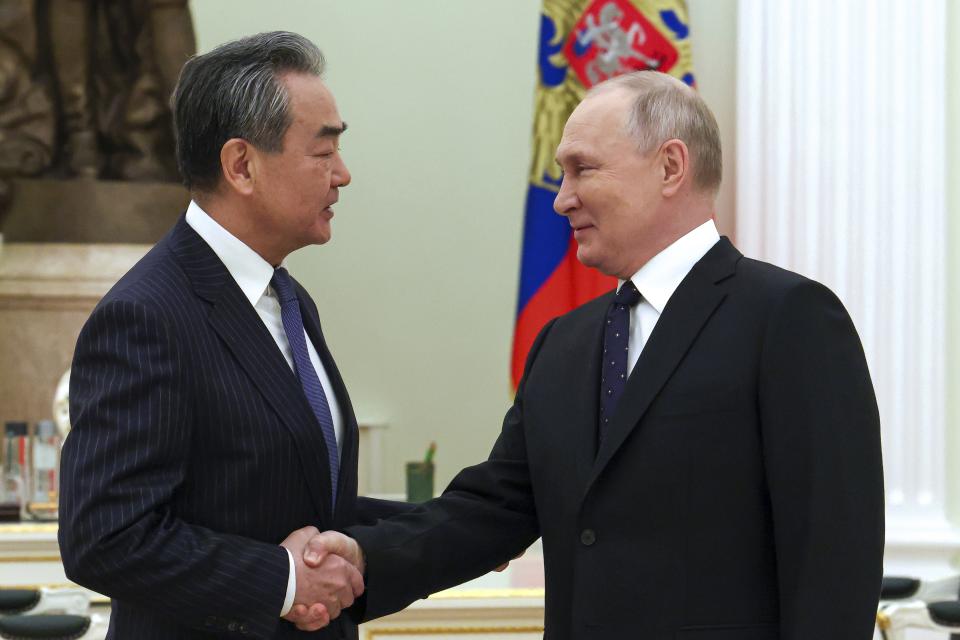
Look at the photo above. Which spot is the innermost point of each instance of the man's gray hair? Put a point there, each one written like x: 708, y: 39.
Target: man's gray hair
x: 665, y: 108
x: 234, y: 91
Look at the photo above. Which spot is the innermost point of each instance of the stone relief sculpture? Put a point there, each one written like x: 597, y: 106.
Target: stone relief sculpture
x: 87, y: 173
x: 84, y: 88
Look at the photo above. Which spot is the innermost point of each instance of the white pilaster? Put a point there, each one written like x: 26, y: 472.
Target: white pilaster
x: 841, y: 177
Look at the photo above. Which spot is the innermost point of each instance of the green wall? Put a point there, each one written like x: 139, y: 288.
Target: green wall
x: 417, y: 289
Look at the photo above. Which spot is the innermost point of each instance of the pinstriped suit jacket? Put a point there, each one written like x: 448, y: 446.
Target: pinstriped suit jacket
x: 194, y: 453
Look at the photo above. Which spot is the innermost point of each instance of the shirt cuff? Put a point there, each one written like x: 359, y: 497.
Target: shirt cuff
x: 291, y: 586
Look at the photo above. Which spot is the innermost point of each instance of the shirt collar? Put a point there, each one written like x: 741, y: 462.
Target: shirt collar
x: 251, y: 272
x: 661, y: 275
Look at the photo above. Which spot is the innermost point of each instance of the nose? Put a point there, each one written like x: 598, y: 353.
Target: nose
x: 566, y: 201
x: 341, y: 175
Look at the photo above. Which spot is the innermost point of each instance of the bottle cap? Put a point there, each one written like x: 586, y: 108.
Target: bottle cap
x: 46, y: 429
x: 14, y: 429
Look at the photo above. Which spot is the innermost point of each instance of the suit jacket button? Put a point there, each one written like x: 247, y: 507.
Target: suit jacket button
x: 588, y: 537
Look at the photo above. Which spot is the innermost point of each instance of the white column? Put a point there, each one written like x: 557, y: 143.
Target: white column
x: 841, y: 177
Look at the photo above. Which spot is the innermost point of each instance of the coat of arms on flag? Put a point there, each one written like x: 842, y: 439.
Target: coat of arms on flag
x: 582, y: 43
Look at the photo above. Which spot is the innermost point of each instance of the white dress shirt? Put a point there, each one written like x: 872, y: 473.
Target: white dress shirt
x: 253, y: 274
x: 659, y: 278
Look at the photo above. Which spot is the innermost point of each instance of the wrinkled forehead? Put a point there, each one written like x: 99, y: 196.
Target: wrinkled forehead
x: 599, y: 116
x: 312, y: 105
x: 307, y: 89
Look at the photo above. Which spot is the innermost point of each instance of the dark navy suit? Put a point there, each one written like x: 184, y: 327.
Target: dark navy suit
x: 737, y: 493
x: 194, y: 453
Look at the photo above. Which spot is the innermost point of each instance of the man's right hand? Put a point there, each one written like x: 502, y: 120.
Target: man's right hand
x: 333, y: 543
x: 324, y: 588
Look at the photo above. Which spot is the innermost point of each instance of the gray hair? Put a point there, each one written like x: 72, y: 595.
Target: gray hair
x: 665, y: 108
x: 234, y: 92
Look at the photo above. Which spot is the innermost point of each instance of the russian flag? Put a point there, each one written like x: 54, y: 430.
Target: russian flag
x: 576, y: 40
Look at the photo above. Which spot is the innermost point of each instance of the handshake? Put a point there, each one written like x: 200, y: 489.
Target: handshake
x: 329, y: 569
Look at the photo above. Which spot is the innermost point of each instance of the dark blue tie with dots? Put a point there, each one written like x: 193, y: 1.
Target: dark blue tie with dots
x: 616, y: 334
x: 293, y: 327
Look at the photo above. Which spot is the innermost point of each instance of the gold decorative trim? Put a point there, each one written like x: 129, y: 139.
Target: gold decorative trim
x: 6, y: 559
x: 371, y: 634
x: 475, y: 594
x: 14, y: 528
x: 883, y: 621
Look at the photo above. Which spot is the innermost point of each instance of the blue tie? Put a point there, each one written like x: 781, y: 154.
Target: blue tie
x: 293, y: 327
x: 616, y: 333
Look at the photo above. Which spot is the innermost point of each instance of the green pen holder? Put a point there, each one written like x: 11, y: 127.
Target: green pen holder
x: 419, y: 481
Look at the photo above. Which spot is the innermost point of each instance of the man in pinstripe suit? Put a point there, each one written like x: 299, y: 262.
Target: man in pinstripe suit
x: 197, y: 442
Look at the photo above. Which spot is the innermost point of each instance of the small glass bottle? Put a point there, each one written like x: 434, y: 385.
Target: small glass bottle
x: 15, y: 449
x: 44, y: 472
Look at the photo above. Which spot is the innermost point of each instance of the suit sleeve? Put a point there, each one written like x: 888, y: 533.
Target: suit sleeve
x: 821, y: 440
x: 485, y: 517
x: 125, y: 457
x: 370, y: 510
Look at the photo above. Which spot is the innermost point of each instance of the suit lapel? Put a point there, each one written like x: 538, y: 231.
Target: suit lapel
x: 688, y: 310
x: 585, y: 439
x: 241, y: 329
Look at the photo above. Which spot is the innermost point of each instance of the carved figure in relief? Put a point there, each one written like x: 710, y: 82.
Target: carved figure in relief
x: 84, y: 86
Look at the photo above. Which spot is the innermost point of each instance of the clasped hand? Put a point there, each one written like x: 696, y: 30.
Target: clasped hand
x: 329, y: 573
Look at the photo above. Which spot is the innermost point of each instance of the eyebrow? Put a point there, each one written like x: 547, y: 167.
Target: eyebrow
x: 330, y: 131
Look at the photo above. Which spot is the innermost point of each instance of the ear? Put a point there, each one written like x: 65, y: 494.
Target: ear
x: 236, y: 158
x: 675, y: 164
